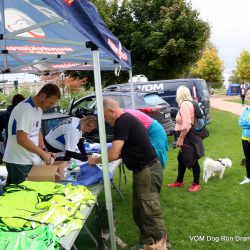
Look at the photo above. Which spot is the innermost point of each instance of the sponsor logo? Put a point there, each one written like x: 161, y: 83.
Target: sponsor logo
x: 69, y: 2
x: 16, y: 20
x: 58, y: 66
x: 152, y: 87
x: 117, y: 50
x: 26, y: 69
x: 70, y: 65
x: 40, y: 50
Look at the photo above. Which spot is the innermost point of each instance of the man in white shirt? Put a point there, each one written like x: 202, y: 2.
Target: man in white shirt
x: 68, y: 135
x: 25, y: 140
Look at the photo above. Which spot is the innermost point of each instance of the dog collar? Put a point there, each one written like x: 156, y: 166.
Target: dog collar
x: 223, y: 164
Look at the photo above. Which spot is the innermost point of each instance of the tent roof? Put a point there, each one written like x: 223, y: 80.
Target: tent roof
x: 45, y: 35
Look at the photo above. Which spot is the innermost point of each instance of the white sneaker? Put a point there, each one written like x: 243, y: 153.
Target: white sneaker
x: 246, y: 180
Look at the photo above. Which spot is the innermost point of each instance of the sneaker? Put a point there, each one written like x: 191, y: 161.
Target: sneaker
x: 243, y: 162
x: 138, y: 246
x: 176, y: 184
x: 246, y: 180
x: 194, y: 188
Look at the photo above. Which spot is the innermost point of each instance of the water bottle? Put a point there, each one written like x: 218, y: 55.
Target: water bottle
x: 73, y: 165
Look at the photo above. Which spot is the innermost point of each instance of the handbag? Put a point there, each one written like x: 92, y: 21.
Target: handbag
x: 203, y: 133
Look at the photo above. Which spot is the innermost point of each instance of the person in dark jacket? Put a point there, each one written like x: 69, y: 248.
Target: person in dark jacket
x: 6, y: 115
x: 243, y: 94
x: 189, y: 143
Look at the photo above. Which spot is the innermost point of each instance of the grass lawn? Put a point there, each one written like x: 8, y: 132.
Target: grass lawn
x: 214, y: 218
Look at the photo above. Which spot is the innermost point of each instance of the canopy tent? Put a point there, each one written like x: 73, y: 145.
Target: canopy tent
x: 38, y: 36
x: 233, y: 89
x: 42, y: 35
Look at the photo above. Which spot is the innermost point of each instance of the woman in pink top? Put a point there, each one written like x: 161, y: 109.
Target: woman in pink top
x: 156, y: 132
x: 189, y: 143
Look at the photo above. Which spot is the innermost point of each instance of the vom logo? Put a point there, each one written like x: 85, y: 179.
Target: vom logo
x: 197, y: 238
x: 69, y: 2
x: 152, y: 87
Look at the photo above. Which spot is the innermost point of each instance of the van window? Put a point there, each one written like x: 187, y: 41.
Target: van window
x: 116, y: 98
x: 86, y: 103
x: 154, y: 100
x: 127, y: 101
x: 202, y: 88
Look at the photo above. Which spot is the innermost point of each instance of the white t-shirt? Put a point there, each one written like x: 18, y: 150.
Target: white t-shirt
x: 66, y: 135
x: 26, y: 117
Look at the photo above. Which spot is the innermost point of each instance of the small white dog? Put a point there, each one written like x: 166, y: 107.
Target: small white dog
x: 210, y: 167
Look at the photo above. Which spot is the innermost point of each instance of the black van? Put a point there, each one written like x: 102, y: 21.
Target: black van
x: 167, y: 90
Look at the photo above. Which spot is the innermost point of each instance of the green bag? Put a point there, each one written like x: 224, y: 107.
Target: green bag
x: 41, y: 238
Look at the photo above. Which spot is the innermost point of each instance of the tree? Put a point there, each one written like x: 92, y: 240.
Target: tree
x: 164, y: 37
x: 235, y: 77
x: 69, y: 85
x: 104, y: 10
x: 209, y: 67
x: 243, y: 66
x: 211, y: 45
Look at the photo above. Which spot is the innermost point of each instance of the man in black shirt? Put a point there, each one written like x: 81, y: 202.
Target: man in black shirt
x: 131, y: 142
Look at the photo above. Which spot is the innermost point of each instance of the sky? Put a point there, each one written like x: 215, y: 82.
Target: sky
x: 20, y: 77
x: 230, y: 27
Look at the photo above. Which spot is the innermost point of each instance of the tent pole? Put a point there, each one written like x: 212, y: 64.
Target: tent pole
x: 131, y: 89
x: 3, y: 21
x: 102, y: 134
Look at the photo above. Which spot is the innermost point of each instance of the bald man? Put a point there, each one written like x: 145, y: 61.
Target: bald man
x: 131, y: 142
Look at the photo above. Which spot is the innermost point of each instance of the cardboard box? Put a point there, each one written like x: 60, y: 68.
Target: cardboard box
x: 52, y: 173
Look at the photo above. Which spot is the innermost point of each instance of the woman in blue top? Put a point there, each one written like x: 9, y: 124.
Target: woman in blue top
x: 244, y: 122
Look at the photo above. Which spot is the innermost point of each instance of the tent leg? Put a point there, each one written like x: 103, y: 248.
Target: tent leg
x: 103, y: 141
x: 132, y: 89
x: 90, y: 235
x: 117, y: 190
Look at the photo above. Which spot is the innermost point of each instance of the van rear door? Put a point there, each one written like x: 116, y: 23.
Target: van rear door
x: 203, y: 97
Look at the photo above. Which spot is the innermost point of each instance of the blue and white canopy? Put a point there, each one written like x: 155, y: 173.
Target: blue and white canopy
x: 45, y: 35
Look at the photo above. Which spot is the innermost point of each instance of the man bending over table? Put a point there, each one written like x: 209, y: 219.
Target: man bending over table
x: 68, y: 135
x: 131, y: 143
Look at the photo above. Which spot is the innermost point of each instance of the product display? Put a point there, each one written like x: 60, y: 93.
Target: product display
x: 35, y: 204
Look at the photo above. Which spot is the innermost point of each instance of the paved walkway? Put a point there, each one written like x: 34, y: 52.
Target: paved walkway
x: 219, y: 102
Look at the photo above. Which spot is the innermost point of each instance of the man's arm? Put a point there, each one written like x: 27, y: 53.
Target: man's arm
x: 113, y: 154
x: 24, y: 141
x: 41, y: 141
x: 78, y: 156
x: 80, y: 146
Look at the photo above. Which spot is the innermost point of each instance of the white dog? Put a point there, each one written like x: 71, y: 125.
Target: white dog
x: 210, y: 167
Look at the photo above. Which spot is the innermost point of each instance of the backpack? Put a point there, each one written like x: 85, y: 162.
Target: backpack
x: 199, y: 119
